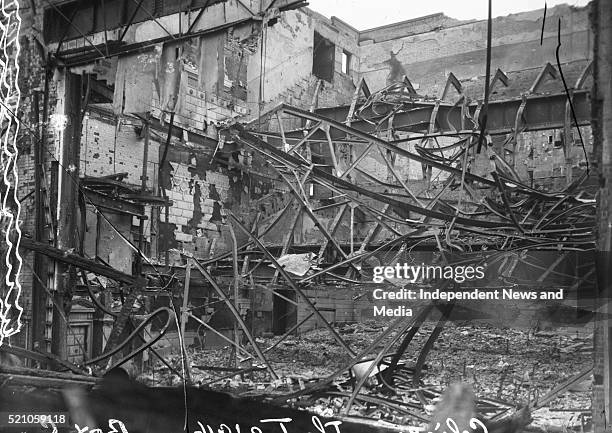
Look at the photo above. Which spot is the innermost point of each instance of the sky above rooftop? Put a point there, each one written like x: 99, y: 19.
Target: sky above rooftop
x: 366, y: 14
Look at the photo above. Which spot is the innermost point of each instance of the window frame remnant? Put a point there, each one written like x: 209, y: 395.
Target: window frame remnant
x: 345, y: 62
x: 323, y: 58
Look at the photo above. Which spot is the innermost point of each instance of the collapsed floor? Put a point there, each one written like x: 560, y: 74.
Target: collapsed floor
x: 344, y: 182
x: 507, y: 368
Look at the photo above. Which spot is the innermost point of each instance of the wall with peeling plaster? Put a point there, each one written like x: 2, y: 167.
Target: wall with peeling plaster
x: 109, y: 146
x: 219, y: 79
x: 201, y: 188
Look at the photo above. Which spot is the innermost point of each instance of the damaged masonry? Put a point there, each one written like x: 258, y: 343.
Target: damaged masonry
x: 385, y: 227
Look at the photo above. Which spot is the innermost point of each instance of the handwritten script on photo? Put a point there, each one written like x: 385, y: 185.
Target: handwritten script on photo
x: 116, y: 426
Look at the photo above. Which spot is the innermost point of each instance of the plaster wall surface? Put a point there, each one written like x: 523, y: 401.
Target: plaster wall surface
x: 427, y: 58
x: 109, y: 148
x: 406, y: 28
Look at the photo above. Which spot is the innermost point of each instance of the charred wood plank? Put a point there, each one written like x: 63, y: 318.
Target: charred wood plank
x: 41, y: 356
x: 71, y: 258
x: 35, y: 373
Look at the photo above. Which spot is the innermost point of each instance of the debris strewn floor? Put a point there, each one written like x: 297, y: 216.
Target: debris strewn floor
x: 509, y: 367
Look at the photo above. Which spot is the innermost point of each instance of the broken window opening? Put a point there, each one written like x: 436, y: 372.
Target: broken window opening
x: 323, y: 58
x: 100, y: 91
x: 346, y: 62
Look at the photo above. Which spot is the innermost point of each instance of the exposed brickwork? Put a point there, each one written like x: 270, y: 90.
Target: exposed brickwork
x: 32, y: 76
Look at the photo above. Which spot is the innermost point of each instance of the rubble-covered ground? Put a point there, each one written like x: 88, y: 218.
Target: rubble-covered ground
x: 508, y: 367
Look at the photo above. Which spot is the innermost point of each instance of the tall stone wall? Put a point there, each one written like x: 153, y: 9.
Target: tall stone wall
x: 428, y: 57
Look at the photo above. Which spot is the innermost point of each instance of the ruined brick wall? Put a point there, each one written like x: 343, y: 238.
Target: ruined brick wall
x: 197, y: 212
x: 31, y: 82
x: 218, y: 83
x: 548, y: 160
x: 200, y: 187
x: 288, y: 64
x: 203, y: 185
x: 198, y: 193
